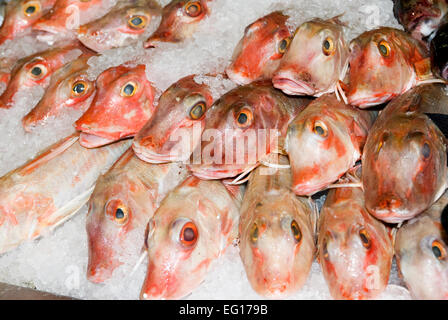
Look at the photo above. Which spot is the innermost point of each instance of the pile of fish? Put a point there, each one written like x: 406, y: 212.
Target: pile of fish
x: 185, y: 174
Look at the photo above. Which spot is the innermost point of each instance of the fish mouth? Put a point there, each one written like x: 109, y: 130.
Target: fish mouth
x: 369, y: 101
x: 213, y: 173
x: 308, y: 189
x: 49, y: 26
x: 98, y: 274
x: 292, y: 87
x: 152, y: 157
x: 237, y: 77
x: 91, y: 141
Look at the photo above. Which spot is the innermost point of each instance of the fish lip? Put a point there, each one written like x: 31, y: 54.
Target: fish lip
x: 292, y: 86
x: 85, y: 140
x: 308, y: 190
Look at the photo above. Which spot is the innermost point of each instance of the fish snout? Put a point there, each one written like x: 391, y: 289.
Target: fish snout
x: 237, y: 76
x: 293, y: 83
x: 98, y: 273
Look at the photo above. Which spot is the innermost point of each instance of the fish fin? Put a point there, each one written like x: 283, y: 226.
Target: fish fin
x: 48, y: 154
x: 336, y: 20
x: 71, y: 208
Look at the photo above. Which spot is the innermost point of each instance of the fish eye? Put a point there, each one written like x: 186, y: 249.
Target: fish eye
x: 31, y: 8
x: 438, y: 250
x: 283, y: 45
x: 38, y: 71
x: 426, y: 150
x: 296, y: 232
x: 129, y: 89
x: 320, y: 129
x: 137, y: 22
x: 254, y: 233
x: 193, y: 9
x: 384, y: 48
x: 244, y: 118
x: 117, y: 211
x: 189, y: 234
x: 365, y: 238
x: 79, y: 87
x: 197, y: 111
x: 328, y: 46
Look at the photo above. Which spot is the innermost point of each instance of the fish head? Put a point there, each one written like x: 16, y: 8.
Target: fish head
x: 120, y: 27
x: 20, y: 15
x: 234, y: 125
x: 355, y: 250
x: 316, y: 59
x: 259, y: 52
x: 122, y: 105
x: 182, y: 241
x: 180, y: 19
x: 66, y: 15
x: 170, y: 134
x: 37, y: 70
x: 421, y: 249
x: 69, y: 88
x: 381, y: 66
x: 119, y: 210
x: 420, y: 17
x: 323, y: 131
x: 404, y: 165
x: 277, y: 245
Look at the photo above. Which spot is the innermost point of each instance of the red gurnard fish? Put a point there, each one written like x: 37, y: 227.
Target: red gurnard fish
x: 67, y: 15
x: 421, y: 248
x: 37, y: 70
x: 259, y: 52
x: 181, y: 110
x: 192, y: 227
x: 125, y: 24
x: 316, y: 60
x: 69, y: 88
x: 404, y: 160
x: 20, y: 15
x: 48, y: 190
x: 385, y: 63
x: 121, y: 107
x: 276, y: 235
x: 180, y: 19
x: 324, y: 141
x: 121, y: 205
x: 355, y: 249
x: 256, y: 113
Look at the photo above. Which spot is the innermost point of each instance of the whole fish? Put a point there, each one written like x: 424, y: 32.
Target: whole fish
x: 69, y: 88
x: 259, y: 52
x: 316, y: 60
x: 36, y: 70
x: 404, y: 160
x: 385, y: 63
x: 125, y: 24
x: 121, y: 205
x: 67, y: 15
x: 20, y: 15
x: 439, y: 52
x: 121, y: 107
x: 49, y: 189
x: 420, y: 17
x: 276, y: 233
x: 256, y: 113
x: 192, y: 227
x: 180, y: 19
x: 355, y: 250
x: 421, y: 247
x: 175, y: 129
x: 324, y: 141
